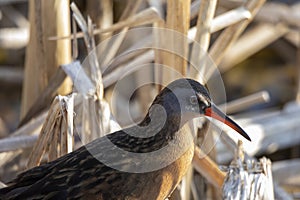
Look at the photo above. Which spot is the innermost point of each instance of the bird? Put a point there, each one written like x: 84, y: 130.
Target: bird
x: 144, y: 161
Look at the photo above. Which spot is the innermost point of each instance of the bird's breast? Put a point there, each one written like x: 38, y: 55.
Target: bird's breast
x: 163, y: 181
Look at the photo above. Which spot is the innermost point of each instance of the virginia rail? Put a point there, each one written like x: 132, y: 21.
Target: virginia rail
x: 110, y: 167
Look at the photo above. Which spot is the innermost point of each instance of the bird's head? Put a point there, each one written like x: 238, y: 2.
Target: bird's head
x: 185, y: 99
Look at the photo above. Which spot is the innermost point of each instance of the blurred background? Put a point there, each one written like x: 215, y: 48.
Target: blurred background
x: 262, y: 65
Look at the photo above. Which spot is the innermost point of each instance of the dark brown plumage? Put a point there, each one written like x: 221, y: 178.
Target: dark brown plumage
x: 145, y: 161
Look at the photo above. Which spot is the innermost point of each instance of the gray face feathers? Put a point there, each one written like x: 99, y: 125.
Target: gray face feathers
x: 184, y: 96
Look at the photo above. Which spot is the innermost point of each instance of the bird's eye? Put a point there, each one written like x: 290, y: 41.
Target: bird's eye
x: 203, y: 107
x: 193, y: 100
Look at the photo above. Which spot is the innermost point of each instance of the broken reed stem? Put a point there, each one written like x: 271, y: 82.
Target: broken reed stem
x: 56, y: 136
x: 247, y: 178
x: 230, y: 35
x: 40, y: 145
x: 67, y: 111
x: 208, y: 168
x: 54, y: 148
x: 94, y: 69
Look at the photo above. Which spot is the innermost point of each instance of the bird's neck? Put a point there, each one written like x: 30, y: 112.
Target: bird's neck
x: 162, y: 125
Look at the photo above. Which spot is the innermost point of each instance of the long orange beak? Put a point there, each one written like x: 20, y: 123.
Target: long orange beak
x: 215, y: 113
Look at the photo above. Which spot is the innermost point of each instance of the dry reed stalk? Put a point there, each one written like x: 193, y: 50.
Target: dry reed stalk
x: 276, y: 12
x: 96, y: 75
x: 46, y: 132
x: 32, y: 127
x: 202, y: 37
x: 205, y: 17
x: 194, y: 190
x: 178, y: 19
x: 245, y: 102
x: 30, y: 88
x: 298, y: 65
x: 101, y: 12
x: 293, y: 37
x: 144, y: 17
x: 175, y: 195
x: 134, y: 51
x: 11, y: 75
x: 230, y: 35
x: 67, y: 111
x: 286, y: 174
x: 234, y: 15
x: 2, y: 185
x: 14, y: 38
x: 268, y: 128
x: 55, y: 148
x: 175, y: 53
x: 74, y: 41
x: 95, y: 118
x: 158, y: 43
x: 248, y: 179
x: 63, y: 135
x: 43, y: 56
x: 133, y: 65
x: 130, y: 10
x: 221, y: 21
x: 15, y: 16
x: 195, y: 5
x: 251, y: 42
x: 208, y: 169
x: 185, y: 189
x: 62, y: 51
x: 56, y: 136
x: 229, y: 18
x: 92, y: 106
x: 17, y: 142
x: 82, y: 83
x: 199, y: 61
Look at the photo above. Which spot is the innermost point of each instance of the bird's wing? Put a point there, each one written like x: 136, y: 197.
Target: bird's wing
x: 82, y: 166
